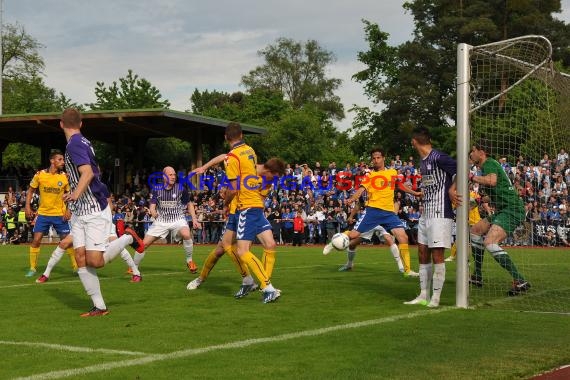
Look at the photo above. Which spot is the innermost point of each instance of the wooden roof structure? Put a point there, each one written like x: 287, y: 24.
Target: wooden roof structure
x: 120, y: 128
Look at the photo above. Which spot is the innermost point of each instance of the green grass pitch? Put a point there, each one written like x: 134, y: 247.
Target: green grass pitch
x: 326, y: 325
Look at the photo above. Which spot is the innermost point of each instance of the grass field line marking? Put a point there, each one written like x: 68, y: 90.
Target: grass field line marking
x: 228, y: 346
x: 61, y: 347
x: 76, y: 279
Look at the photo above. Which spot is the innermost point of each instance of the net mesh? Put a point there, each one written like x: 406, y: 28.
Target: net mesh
x: 520, y: 105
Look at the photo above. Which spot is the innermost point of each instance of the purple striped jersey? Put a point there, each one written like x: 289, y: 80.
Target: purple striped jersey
x: 79, y: 152
x: 171, y: 204
x: 438, y: 172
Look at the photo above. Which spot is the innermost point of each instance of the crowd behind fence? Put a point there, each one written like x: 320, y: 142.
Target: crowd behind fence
x: 313, y: 194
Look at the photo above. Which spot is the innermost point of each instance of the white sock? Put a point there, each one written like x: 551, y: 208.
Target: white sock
x: 396, y: 254
x: 138, y: 258
x: 56, y: 255
x: 126, y: 256
x: 247, y: 280
x: 90, y: 281
x: 350, y: 255
x: 438, y: 279
x: 116, y: 246
x: 188, y: 248
x: 425, y: 280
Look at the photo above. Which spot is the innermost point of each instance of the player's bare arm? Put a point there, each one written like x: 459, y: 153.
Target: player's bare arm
x: 192, y: 212
x: 152, y: 210
x: 214, y: 161
x: 355, y: 196
x: 29, y: 195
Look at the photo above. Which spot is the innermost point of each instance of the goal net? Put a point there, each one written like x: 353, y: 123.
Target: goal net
x: 513, y: 100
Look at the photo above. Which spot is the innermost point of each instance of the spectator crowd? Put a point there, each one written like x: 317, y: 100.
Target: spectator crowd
x: 308, y: 207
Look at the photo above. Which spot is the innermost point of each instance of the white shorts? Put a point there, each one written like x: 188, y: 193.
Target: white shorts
x: 378, y: 231
x: 435, y: 232
x: 161, y: 229
x: 91, y: 231
x: 112, y: 230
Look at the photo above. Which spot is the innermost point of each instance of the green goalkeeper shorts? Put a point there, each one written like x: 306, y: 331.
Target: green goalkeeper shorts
x: 508, y: 220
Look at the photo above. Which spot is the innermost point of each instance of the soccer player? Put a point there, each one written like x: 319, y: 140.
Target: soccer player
x: 509, y: 213
x: 438, y: 191
x: 474, y: 217
x: 379, y: 185
x: 52, y: 184
x: 241, y: 172
x: 227, y: 241
x: 90, y: 212
x: 378, y: 231
x: 168, y: 205
x: 68, y: 242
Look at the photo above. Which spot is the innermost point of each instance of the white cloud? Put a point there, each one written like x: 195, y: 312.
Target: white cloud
x: 180, y: 45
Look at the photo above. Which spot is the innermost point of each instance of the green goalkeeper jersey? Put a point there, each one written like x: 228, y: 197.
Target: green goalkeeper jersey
x: 503, y: 195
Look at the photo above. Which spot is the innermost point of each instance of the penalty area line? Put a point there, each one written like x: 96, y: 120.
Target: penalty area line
x: 228, y: 346
x: 61, y: 347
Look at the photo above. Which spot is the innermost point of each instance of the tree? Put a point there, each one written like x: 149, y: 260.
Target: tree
x: 298, y: 71
x: 416, y: 80
x: 295, y: 135
x: 24, y: 90
x: 131, y: 92
x: 20, y: 55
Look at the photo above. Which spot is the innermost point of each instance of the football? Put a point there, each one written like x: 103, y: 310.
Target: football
x: 340, y: 241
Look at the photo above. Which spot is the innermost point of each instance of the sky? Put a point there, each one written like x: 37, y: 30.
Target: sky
x: 181, y: 45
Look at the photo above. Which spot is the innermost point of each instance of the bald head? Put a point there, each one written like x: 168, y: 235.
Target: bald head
x: 170, y: 174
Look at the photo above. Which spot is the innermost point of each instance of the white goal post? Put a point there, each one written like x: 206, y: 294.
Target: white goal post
x: 510, y: 93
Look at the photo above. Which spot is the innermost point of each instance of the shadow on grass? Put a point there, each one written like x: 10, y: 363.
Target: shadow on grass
x: 69, y: 299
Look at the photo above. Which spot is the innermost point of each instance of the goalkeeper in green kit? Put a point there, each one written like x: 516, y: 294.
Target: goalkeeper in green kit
x: 509, y: 213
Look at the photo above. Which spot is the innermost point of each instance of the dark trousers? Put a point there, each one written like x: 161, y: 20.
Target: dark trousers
x: 297, y: 238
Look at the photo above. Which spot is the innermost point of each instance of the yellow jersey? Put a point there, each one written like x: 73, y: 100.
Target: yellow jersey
x: 51, y: 188
x: 474, y: 215
x: 241, y: 165
x: 380, y: 186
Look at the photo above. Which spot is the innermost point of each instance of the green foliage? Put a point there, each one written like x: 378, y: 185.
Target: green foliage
x: 167, y: 151
x: 298, y: 71
x: 528, y: 123
x: 20, y: 155
x: 131, y: 92
x: 416, y: 80
x: 302, y: 137
x: 29, y: 94
x: 260, y: 107
x: 20, y: 56
x: 295, y: 135
x: 24, y: 90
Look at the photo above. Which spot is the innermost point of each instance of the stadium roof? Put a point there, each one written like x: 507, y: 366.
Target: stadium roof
x: 37, y: 129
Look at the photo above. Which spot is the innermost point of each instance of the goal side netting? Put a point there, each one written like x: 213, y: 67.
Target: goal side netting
x: 511, y: 96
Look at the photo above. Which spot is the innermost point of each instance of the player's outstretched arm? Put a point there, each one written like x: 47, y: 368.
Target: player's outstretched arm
x: 214, y: 161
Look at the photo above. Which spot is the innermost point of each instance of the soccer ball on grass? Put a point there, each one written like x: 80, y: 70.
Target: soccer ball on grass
x: 340, y: 241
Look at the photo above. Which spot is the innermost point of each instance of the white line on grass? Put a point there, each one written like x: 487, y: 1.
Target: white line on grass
x: 227, y: 346
x: 76, y: 280
x: 61, y: 347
